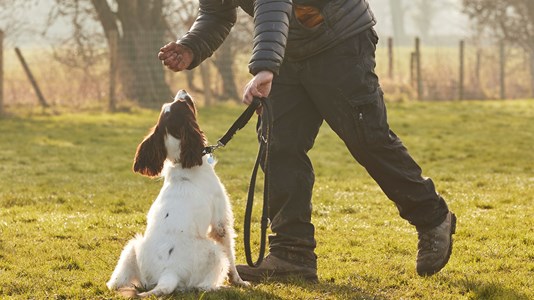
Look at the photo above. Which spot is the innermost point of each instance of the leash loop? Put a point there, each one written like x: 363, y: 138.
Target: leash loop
x: 263, y: 153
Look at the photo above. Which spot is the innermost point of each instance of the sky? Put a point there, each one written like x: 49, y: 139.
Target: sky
x: 449, y: 22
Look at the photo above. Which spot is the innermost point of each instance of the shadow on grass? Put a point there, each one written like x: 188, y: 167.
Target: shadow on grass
x: 339, y: 291
x: 226, y: 294
x: 488, y: 290
x: 294, y: 287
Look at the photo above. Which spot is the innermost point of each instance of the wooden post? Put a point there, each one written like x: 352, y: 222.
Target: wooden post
x: 418, y: 68
x: 390, y: 57
x: 1, y: 72
x: 113, y: 51
x: 462, y: 70
x: 502, y: 70
x: 412, y: 69
x: 36, y: 88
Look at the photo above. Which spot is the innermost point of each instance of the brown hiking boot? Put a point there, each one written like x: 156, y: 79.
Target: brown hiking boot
x: 273, y: 268
x: 435, y: 246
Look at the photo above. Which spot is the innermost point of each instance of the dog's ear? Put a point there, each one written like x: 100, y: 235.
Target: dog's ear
x: 151, y: 154
x: 191, y: 145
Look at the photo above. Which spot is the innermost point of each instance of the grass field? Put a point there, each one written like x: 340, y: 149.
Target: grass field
x: 69, y: 203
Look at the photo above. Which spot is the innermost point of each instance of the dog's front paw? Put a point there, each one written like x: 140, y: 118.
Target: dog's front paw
x: 237, y: 281
x: 241, y: 283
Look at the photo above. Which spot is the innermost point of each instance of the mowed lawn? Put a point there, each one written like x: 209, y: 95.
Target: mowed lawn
x: 69, y: 202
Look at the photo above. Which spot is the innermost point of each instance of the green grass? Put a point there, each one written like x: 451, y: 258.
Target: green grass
x: 69, y: 203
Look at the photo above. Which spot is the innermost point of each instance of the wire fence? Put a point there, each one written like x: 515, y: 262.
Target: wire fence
x: 462, y: 72
x: 94, y: 78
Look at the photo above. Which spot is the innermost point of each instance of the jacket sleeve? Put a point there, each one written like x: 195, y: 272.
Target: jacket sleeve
x: 271, y: 27
x: 211, y: 27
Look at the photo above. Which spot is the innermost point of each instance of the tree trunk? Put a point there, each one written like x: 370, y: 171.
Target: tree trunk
x: 425, y: 14
x: 206, y: 83
x: 224, y: 63
x: 190, y: 77
x: 141, y: 35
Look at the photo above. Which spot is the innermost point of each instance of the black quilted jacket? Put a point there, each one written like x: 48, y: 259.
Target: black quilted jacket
x: 277, y: 33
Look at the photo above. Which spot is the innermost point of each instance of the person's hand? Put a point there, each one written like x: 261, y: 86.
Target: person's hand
x: 175, y: 56
x: 259, y: 86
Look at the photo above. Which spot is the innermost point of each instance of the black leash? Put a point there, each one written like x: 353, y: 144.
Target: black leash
x: 263, y: 152
x: 266, y: 122
x: 238, y: 124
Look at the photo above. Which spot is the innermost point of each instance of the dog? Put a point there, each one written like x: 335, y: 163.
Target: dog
x: 189, y: 238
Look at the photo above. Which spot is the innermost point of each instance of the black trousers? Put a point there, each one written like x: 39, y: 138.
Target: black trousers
x: 339, y: 86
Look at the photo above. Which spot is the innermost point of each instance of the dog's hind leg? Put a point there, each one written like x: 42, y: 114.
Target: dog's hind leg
x: 126, y: 273
x: 167, y: 283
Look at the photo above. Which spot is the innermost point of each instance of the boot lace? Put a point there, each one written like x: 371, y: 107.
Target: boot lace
x: 427, y: 240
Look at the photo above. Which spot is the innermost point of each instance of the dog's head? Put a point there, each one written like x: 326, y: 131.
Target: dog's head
x: 176, y: 137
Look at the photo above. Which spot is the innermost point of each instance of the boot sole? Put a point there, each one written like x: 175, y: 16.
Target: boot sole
x: 449, y: 252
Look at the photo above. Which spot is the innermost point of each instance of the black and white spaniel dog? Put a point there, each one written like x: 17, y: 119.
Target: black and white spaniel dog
x: 189, y: 239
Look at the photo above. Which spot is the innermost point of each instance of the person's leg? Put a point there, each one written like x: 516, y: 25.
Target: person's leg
x: 295, y: 125
x: 346, y: 92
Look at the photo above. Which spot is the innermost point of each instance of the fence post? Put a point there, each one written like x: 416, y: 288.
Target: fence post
x: 32, y: 80
x: 412, y: 67
x: 418, y: 68
x: 462, y: 70
x: 502, y: 70
x: 113, y: 51
x: 1, y: 72
x: 390, y: 57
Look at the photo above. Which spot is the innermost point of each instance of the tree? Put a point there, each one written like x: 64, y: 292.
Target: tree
x: 143, y: 26
x: 185, y: 13
x: 10, y: 18
x: 180, y: 15
x: 224, y: 61
x: 140, y: 29
x: 425, y: 12
x: 510, y: 20
x: 240, y: 37
x: 85, y: 43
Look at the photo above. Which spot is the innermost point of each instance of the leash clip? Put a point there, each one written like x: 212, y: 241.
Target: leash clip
x: 211, y: 149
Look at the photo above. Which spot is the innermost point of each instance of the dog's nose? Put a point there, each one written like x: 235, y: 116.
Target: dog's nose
x: 182, y: 94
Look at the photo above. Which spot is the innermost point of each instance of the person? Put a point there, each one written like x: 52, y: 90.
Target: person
x: 315, y: 60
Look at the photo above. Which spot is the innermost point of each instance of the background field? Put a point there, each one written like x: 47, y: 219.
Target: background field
x: 69, y: 202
